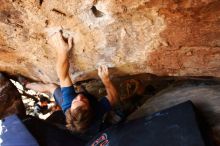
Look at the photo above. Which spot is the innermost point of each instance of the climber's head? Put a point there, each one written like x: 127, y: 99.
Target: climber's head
x: 79, y: 116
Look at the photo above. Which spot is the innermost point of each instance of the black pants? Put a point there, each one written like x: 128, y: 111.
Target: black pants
x: 48, y: 134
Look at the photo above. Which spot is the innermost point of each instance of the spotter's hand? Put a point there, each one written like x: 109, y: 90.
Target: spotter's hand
x: 57, y: 41
x: 103, y: 73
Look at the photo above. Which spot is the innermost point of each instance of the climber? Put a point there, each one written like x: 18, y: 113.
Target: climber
x: 82, y: 110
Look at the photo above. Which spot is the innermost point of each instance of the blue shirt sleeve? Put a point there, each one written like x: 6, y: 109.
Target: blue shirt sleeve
x: 105, y: 104
x: 103, y: 107
x: 100, y: 107
x: 68, y: 94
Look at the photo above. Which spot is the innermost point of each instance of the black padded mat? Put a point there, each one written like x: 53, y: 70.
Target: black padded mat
x: 176, y: 126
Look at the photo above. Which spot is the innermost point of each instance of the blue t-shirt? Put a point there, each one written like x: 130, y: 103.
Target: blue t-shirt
x: 100, y: 107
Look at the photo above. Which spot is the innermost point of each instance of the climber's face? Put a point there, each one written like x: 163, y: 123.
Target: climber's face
x: 79, y: 101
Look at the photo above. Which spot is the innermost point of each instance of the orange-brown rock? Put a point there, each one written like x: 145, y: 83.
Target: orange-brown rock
x: 162, y: 37
x: 10, y: 99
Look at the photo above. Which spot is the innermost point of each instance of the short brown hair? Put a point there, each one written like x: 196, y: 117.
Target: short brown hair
x: 79, y: 119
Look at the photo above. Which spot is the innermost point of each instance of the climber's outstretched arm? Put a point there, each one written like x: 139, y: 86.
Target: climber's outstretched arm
x: 62, y: 65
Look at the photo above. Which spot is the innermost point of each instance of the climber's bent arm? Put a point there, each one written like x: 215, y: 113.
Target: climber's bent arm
x: 112, y: 94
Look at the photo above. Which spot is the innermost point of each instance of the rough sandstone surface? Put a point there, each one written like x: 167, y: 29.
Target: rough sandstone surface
x: 162, y: 37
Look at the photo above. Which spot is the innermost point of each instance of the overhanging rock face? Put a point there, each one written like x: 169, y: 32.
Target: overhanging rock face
x: 132, y: 36
x: 10, y: 99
